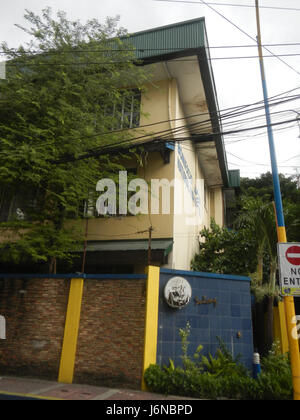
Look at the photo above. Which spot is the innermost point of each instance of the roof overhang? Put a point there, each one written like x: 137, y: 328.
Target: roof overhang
x: 189, y: 63
x: 128, y: 251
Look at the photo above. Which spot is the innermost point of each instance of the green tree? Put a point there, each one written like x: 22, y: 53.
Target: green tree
x: 225, y: 251
x: 61, y: 100
x: 259, y: 218
x: 262, y: 187
x: 250, y: 249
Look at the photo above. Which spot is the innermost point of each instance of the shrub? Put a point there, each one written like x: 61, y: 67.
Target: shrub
x: 276, y: 378
x: 221, y: 376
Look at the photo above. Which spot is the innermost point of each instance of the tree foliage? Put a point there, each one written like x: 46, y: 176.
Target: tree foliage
x: 251, y: 247
x: 262, y: 187
x: 253, y: 240
x: 225, y: 251
x: 60, y: 100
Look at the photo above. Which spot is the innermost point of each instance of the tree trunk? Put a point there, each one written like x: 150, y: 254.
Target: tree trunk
x: 270, y: 305
x: 52, y: 265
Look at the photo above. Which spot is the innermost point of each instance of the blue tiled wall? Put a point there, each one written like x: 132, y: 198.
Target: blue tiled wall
x: 228, y: 319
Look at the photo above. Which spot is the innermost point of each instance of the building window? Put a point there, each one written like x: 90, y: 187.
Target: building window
x: 130, y: 110
x: 16, y: 206
x: 87, y: 208
x: 126, y: 112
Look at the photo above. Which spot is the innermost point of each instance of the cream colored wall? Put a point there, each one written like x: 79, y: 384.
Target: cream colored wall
x: 115, y: 228
x: 155, y: 105
x: 162, y: 103
x: 217, y: 205
x: 186, y: 230
x: 186, y: 227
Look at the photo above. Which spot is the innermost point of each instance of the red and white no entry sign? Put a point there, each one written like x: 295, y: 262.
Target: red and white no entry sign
x: 293, y: 255
x: 289, y: 268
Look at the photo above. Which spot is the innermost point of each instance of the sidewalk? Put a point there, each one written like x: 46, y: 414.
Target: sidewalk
x: 28, y: 388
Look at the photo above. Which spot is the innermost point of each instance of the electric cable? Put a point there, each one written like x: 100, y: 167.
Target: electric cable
x: 244, y: 32
x: 293, y: 9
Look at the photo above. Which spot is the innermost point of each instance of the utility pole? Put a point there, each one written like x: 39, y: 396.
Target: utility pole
x: 281, y: 231
x: 150, y: 230
x: 85, y: 244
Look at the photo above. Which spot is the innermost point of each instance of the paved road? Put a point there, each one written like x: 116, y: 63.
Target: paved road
x: 14, y: 388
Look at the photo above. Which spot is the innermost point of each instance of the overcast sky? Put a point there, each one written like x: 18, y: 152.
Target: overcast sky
x: 237, y: 80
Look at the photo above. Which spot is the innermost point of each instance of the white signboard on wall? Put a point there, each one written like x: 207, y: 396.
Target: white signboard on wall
x: 178, y: 292
x: 289, y: 268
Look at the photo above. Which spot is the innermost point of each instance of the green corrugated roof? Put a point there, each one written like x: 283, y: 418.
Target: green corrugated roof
x: 165, y: 245
x: 169, y: 39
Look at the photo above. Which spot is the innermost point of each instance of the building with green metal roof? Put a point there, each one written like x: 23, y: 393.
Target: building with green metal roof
x: 185, y: 143
x: 178, y: 152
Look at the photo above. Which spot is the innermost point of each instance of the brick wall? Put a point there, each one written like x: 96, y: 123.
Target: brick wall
x: 35, y: 315
x: 111, y: 334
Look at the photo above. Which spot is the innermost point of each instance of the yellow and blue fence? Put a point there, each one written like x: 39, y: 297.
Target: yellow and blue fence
x: 108, y: 318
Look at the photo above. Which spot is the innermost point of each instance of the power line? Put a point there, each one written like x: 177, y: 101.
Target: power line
x: 98, y: 51
x: 233, y: 5
x: 224, y: 114
x: 227, y: 113
x: 243, y: 32
x: 285, y: 44
x: 255, y: 136
x: 293, y: 157
x: 108, y: 63
x: 255, y: 56
x: 160, y: 139
x: 166, y: 133
x: 260, y: 164
x: 249, y: 36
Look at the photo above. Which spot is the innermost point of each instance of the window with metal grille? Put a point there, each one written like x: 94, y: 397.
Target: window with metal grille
x: 16, y: 206
x: 124, y: 113
x: 87, y: 208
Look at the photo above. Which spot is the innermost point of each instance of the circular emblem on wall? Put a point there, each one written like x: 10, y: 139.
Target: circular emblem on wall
x: 178, y: 292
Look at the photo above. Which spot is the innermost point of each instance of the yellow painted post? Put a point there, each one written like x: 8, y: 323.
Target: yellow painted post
x: 283, y: 330
x: 151, y: 320
x: 68, y: 354
x: 293, y: 344
x: 280, y: 330
x: 290, y: 318
x: 276, y: 326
